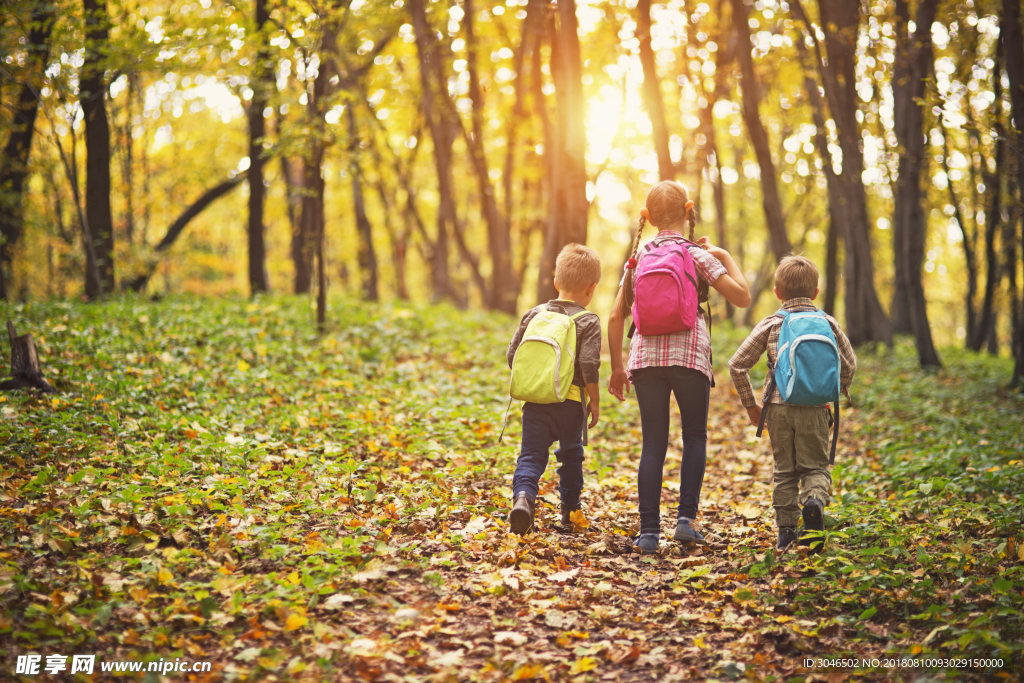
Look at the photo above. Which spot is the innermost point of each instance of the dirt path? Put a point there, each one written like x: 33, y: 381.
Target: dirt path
x: 557, y: 605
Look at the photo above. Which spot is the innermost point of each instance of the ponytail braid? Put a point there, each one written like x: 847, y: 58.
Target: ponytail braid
x: 627, y: 284
x: 691, y: 216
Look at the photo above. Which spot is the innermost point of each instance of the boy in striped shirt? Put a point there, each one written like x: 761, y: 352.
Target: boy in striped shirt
x: 799, y: 434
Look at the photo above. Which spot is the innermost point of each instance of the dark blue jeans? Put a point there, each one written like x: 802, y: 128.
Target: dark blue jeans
x: 544, y: 424
x: 654, y: 388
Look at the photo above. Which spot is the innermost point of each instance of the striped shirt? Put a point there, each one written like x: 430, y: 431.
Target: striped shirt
x: 688, y: 348
x: 765, y: 336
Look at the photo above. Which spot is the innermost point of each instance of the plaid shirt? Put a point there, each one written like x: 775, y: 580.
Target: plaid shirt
x: 688, y: 348
x: 765, y: 335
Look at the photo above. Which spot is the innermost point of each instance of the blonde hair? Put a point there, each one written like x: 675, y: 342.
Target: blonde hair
x: 576, y: 268
x: 796, y: 276
x: 668, y: 204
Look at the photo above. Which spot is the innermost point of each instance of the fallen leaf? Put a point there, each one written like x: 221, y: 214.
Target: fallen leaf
x: 509, y: 638
x: 295, y: 622
x: 563, y: 577
x: 528, y: 671
x: 582, y: 665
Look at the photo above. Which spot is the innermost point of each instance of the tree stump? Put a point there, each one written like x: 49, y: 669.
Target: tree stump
x: 25, y: 372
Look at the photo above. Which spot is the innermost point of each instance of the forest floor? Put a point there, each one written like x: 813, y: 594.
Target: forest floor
x: 214, y: 482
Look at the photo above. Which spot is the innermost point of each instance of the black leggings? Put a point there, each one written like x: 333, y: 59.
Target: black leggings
x: 654, y: 389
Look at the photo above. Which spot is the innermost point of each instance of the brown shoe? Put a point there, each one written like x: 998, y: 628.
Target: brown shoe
x: 521, y: 517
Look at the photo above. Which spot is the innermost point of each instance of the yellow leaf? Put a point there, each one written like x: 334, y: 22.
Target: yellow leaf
x: 747, y: 510
x: 582, y: 665
x: 527, y: 671
x: 579, y: 520
x: 164, y: 576
x: 699, y: 642
x: 293, y: 578
x: 243, y: 366
x: 294, y: 622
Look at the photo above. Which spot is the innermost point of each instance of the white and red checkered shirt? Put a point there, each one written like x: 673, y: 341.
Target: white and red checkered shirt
x: 688, y: 348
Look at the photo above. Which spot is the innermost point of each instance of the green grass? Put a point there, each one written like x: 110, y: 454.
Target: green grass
x: 214, y: 480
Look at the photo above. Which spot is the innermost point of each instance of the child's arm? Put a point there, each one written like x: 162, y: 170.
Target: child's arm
x: 732, y: 285
x: 848, y: 361
x: 746, y: 357
x: 618, y: 384
x: 594, y: 405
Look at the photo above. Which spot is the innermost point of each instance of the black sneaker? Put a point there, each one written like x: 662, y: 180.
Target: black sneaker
x: 787, y: 537
x: 647, y: 544
x: 521, y: 517
x: 814, y: 521
x: 686, y: 533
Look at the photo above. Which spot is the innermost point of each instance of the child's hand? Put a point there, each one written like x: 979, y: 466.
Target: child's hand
x: 754, y: 412
x: 595, y: 413
x: 717, y: 252
x: 618, y: 381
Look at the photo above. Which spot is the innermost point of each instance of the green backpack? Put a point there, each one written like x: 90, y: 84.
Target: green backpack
x: 544, y: 363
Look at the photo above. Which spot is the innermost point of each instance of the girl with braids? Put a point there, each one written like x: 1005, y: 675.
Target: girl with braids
x: 677, y: 363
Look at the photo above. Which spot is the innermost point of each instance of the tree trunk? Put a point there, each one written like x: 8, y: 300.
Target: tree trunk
x: 25, y: 372
x: 14, y: 163
x: 443, y: 137
x: 294, y: 172
x: 399, y: 238
x: 831, y: 180
x: 262, y: 82
x: 865, y: 319
x: 92, y: 92
x: 366, y: 253
x: 503, y: 288
x: 1013, y: 47
x: 904, y: 85
x: 179, y: 225
x: 985, y: 331
x: 758, y: 136
x: 569, y: 203
x: 968, y: 238
x: 527, y: 55
x: 652, y: 92
x: 913, y: 65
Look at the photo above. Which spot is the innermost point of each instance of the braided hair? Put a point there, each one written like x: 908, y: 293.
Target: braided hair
x: 668, y: 203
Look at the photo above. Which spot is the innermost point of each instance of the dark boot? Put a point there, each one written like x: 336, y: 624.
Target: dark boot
x: 787, y: 537
x: 567, y: 511
x: 814, y: 521
x: 521, y: 517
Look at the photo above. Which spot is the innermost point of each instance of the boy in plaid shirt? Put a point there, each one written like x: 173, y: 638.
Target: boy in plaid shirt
x: 799, y: 434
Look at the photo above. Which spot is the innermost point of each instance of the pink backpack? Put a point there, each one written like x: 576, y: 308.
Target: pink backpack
x: 665, y: 292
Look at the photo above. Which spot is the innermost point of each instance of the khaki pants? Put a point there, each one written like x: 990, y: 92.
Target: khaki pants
x: 800, y: 443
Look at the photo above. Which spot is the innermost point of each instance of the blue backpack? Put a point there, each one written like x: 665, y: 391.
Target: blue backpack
x: 808, y: 365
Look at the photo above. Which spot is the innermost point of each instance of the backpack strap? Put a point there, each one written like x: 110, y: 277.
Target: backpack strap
x: 583, y: 388
x: 835, y: 436
x: 764, y: 407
